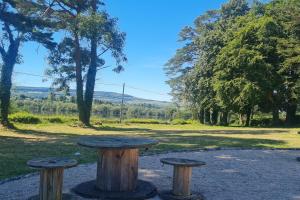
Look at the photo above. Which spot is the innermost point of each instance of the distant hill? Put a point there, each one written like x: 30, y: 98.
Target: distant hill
x: 113, y: 97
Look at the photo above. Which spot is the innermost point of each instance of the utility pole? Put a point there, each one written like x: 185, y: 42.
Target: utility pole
x: 122, y: 104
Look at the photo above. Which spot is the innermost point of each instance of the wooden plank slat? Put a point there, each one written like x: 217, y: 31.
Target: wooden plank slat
x: 181, y: 181
x: 51, y: 181
x: 117, y: 170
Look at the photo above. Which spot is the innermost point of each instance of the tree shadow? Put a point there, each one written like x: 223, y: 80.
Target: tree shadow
x: 16, y: 151
x: 123, y: 129
x: 170, y: 131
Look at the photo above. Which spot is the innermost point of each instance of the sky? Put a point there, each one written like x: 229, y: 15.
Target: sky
x: 152, y: 28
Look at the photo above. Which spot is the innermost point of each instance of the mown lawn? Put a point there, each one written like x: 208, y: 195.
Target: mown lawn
x: 30, y: 141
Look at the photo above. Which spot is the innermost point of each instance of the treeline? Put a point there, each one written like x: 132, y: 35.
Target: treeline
x: 242, y: 59
x: 63, y: 105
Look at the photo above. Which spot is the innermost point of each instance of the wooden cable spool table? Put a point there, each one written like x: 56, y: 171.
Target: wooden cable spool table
x: 181, y: 179
x: 117, y: 169
x: 51, y: 177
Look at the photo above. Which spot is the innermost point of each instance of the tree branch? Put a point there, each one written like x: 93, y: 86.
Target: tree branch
x: 2, y: 51
x: 69, y: 5
x: 65, y: 9
x: 103, y: 52
x: 9, y: 32
x: 104, y: 67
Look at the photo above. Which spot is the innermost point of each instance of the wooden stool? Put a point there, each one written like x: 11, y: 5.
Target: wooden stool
x: 51, y: 177
x: 181, y: 179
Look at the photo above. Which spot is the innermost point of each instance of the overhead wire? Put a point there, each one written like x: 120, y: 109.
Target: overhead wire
x: 102, y: 83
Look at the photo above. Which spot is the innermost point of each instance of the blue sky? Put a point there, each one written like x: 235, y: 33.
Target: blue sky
x: 152, y: 28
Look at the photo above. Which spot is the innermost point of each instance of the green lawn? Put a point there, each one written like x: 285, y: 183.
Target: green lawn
x: 30, y: 141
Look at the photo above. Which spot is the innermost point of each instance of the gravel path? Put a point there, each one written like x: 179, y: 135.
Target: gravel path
x: 228, y: 175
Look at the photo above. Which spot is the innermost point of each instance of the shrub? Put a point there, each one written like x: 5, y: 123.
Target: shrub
x: 57, y: 120
x: 110, y: 121
x: 24, y: 118
x: 145, y: 121
x: 261, y: 122
x: 100, y: 122
x: 181, y: 122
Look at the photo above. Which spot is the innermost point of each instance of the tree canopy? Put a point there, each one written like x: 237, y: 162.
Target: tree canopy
x: 240, y: 59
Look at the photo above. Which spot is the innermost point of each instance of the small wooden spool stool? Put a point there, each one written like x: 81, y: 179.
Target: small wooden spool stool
x: 51, y: 177
x: 181, y: 179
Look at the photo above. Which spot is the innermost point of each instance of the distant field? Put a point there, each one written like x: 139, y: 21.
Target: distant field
x: 30, y: 141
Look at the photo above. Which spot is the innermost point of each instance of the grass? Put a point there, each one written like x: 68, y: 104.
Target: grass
x: 30, y: 141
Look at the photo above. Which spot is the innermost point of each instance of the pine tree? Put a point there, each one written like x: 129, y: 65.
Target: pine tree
x: 20, y: 21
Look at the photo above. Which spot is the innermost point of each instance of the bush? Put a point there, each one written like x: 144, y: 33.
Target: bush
x: 57, y: 120
x: 145, y: 121
x: 181, y: 122
x: 24, y: 118
x: 100, y: 122
x: 261, y: 122
x: 110, y: 121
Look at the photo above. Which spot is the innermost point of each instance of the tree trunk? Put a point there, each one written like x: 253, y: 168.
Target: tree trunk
x: 241, y: 119
x: 206, y: 116
x: 291, y: 114
x: 214, y: 117
x: 201, y: 116
x: 275, y: 114
x: 224, y: 118
x: 9, y: 60
x: 91, y: 75
x: 79, y: 82
x: 248, y: 117
x: 5, y: 87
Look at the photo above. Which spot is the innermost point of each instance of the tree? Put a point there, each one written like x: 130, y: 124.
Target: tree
x: 240, y: 59
x: 192, y: 68
x: 72, y: 60
x: 246, y: 65
x: 286, y: 13
x: 20, y: 21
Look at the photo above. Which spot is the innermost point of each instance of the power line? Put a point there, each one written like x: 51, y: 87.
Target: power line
x: 145, y: 90
x: 29, y: 74
x: 102, y: 83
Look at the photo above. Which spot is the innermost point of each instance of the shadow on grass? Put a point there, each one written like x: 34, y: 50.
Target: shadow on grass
x: 169, y: 131
x: 111, y: 128
x: 181, y: 138
x: 206, y: 141
x: 15, y: 151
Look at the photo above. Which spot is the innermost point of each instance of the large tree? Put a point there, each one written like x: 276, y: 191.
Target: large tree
x: 245, y: 65
x: 240, y: 59
x: 287, y: 14
x: 91, y: 33
x: 192, y: 68
x: 20, y: 21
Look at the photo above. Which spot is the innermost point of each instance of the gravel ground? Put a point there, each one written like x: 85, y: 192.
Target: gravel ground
x: 228, y: 175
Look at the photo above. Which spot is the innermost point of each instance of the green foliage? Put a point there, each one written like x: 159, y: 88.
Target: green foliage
x: 180, y: 122
x: 145, y: 121
x: 56, y: 120
x: 96, y: 121
x: 240, y: 59
x: 25, y: 118
x: 243, y: 71
x: 100, y: 109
